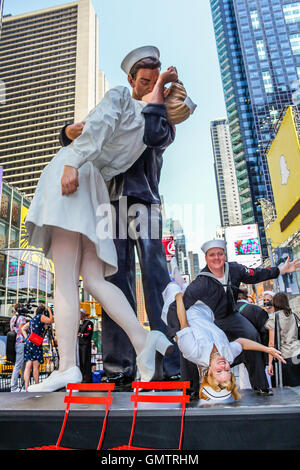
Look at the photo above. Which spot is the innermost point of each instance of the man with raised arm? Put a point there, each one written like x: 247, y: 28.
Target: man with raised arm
x: 217, y: 286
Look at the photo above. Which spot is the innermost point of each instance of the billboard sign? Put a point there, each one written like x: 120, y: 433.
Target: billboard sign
x: 169, y: 246
x: 286, y: 282
x: 243, y: 245
x: 23, y: 275
x: 284, y: 167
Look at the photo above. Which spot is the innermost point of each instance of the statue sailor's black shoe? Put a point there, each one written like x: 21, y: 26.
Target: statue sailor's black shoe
x: 119, y: 379
x: 264, y: 392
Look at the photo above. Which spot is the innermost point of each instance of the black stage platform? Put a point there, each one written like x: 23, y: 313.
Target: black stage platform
x: 253, y: 423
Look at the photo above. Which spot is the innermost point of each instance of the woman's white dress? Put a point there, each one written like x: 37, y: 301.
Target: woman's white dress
x: 196, y: 341
x: 111, y: 141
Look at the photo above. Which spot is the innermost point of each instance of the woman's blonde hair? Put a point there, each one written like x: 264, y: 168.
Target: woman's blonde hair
x: 177, y: 110
x: 209, y: 380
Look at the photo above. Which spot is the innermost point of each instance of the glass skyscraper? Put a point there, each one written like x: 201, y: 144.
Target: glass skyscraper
x: 258, y: 44
x: 228, y: 197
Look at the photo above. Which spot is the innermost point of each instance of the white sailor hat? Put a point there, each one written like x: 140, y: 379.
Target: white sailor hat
x: 268, y: 292
x: 138, y: 54
x: 218, y: 243
x: 213, y: 395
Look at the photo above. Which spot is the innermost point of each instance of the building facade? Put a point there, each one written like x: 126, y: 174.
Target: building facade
x: 226, y: 182
x: 1, y: 14
x: 49, y: 65
x: 194, y: 267
x: 258, y: 44
x: 180, y: 247
x: 25, y: 274
x: 188, y: 262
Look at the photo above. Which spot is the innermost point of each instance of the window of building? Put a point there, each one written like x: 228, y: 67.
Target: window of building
x: 261, y: 49
x: 295, y: 43
x: 274, y: 114
x: 291, y: 12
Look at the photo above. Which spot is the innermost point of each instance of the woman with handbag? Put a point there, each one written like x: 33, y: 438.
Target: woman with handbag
x: 287, y: 333
x: 34, y: 332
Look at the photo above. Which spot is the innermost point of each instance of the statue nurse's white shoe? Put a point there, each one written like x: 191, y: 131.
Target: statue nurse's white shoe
x: 147, y: 362
x: 57, y: 380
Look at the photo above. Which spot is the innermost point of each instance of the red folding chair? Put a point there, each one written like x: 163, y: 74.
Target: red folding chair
x: 183, y: 398
x: 87, y: 400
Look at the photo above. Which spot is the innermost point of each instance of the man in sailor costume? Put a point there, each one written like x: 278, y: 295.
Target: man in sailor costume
x: 217, y: 287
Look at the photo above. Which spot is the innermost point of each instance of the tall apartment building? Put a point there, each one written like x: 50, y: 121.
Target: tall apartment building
x: 180, y: 247
x: 227, y: 190
x: 258, y: 45
x: 49, y: 64
x: 194, y: 268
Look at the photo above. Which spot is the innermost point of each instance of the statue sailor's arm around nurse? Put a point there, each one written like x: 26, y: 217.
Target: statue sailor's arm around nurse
x: 69, y: 180
x: 178, y: 107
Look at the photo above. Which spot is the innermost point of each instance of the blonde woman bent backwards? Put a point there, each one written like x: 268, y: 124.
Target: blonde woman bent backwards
x: 64, y: 219
x: 206, y: 345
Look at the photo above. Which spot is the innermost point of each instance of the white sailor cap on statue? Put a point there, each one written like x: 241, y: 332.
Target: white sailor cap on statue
x: 218, y: 243
x: 138, y: 54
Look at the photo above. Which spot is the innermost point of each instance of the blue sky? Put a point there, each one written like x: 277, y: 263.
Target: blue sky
x: 183, y: 32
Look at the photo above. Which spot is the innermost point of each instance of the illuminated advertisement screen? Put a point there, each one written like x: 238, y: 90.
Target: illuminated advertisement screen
x: 250, y: 246
x: 243, y: 245
x: 169, y: 247
x: 13, y: 268
x: 28, y: 276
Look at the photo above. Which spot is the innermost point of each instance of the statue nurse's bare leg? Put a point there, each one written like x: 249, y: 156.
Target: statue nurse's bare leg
x: 66, y: 253
x: 118, y: 308
x: 74, y: 254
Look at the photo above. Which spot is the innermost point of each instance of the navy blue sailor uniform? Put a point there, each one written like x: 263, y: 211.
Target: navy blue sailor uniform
x: 135, y: 195
x: 235, y: 325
